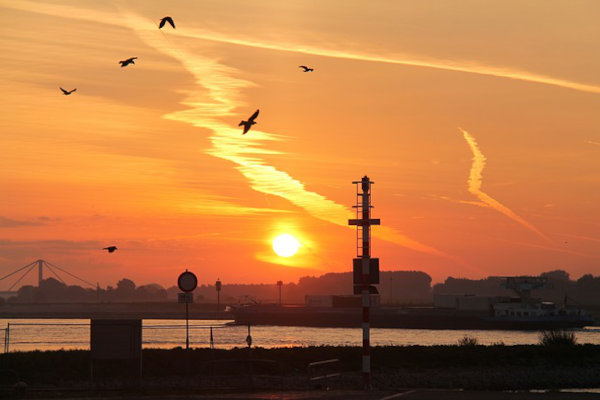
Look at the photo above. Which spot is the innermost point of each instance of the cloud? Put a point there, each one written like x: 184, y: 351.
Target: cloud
x: 54, y: 244
x: 553, y: 249
x: 592, y: 142
x: 13, y: 223
x: 475, y: 182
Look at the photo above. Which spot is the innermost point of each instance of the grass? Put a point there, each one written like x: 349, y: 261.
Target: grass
x: 558, y: 338
x: 465, y: 366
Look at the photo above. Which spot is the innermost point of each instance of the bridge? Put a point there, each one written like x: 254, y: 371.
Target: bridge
x: 40, y: 265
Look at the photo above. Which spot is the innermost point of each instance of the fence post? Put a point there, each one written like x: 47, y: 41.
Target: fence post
x: 7, y: 339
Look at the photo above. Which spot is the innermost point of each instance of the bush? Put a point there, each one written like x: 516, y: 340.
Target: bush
x: 554, y: 338
x: 468, y: 341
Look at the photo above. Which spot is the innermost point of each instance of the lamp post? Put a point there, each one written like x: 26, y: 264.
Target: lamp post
x: 279, y: 283
x: 218, y: 288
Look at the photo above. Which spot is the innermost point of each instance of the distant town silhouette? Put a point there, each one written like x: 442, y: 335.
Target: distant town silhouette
x: 396, y: 287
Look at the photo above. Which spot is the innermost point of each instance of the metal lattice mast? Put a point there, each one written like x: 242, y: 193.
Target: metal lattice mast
x: 366, y: 270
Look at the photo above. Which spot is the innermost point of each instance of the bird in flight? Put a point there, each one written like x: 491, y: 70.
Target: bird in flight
x: 248, y: 124
x: 111, y: 249
x: 67, y: 92
x: 164, y: 20
x: 305, y: 68
x: 125, y: 63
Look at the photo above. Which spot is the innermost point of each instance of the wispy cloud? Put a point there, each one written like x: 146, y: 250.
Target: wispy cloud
x: 475, y: 182
x: 555, y: 249
x: 593, y: 142
x: 13, y: 223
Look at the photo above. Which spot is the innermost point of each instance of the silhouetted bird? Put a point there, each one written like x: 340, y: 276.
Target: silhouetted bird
x: 125, y: 63
x: 165, y: 20
x: 67, y: 92
x: 305, y: 68
x: 111, y: 249
x: 249, y: 123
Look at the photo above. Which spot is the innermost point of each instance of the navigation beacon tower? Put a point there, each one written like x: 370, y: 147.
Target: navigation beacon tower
x: 365, y: 268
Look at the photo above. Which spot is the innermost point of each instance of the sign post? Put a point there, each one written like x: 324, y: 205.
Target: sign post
x: 187, y: 282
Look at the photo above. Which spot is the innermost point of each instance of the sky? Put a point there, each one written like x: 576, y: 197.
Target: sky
x: 477, y: 121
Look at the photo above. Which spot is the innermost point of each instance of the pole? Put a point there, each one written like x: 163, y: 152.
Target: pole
x: 40, y: 272
x: 7, y: 339
x: 218, y: 288
x: 187, y: 344
x: 249, y: 342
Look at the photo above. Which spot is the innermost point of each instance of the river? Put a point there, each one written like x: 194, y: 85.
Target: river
x: 54, y: 334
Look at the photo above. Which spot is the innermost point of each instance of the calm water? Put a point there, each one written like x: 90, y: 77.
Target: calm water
x: 48, y: 334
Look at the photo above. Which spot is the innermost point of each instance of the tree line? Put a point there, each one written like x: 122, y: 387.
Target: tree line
x: 395, y: 287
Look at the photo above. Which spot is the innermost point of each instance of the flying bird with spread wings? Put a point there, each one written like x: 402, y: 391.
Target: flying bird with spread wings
x: 67, y: 92
x: 248, y: 124
x: 111, y: 249
x: 125, y: 63
x: 164, y: 20
x: 305, y: 68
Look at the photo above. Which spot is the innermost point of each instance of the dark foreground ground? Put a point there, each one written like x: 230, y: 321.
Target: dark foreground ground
x: 411, y: 372
x: 408, y: 394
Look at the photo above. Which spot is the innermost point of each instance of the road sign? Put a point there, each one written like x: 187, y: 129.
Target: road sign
x: 373, y: 271
x: 186, y: 298
x: 187, y: 281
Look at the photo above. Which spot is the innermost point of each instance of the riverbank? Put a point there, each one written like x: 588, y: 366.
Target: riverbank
x: 156, y: 310
x: 394, y: 368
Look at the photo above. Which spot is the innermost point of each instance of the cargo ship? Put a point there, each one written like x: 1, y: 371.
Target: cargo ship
x: 449, y: 312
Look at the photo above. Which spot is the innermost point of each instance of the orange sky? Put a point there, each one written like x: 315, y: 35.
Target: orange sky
x: 478, y: 122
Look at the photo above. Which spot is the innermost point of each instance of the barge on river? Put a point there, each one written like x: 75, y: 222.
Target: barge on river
x: 451, y: 312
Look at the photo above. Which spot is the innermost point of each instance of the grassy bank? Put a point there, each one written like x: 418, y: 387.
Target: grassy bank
x: 470, y: 367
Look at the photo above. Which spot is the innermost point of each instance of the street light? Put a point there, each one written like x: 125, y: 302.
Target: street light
x: 279, y: 283
x: 218, y: 287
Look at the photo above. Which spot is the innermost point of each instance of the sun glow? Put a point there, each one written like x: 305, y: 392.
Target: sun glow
x: 285, y: 245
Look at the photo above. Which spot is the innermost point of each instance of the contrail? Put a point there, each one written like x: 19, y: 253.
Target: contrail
x: 411, y: 60
x: 475, y: 183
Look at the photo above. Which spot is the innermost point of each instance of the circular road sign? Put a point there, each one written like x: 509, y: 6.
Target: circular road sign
x: 187, y: 281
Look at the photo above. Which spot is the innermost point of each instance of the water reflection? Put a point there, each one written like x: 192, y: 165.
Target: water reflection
x: 28, y: 335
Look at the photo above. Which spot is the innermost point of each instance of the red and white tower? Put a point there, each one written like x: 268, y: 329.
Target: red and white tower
x: 366, y: 269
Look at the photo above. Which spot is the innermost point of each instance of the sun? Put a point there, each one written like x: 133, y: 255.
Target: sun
x: 285, y: 245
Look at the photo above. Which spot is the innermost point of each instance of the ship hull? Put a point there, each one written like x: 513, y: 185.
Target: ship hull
x: 418, y: 318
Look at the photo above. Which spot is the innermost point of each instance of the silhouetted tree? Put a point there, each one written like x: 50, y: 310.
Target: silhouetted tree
x: 557, y: 274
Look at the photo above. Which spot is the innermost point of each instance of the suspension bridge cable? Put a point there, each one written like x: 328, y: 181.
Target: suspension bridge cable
x: 20, y: 269
x: 55, y: 274
x: 22, y: 276
x: 70, y: 274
